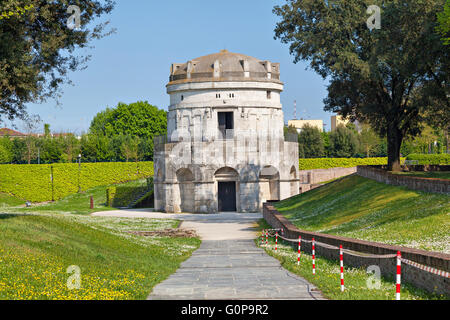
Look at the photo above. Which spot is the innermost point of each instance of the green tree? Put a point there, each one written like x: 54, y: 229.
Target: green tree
x: 51, y: 149
x: 19, y: 150
x: 343, y: 142
x: 130, y: 148
x: 443, y: 27
x: 326, y: 143
x: 6, y: 155
x: 368, y: 140
x: 139, y: 119
x: 310, y: 139
x: 37, y: 49
x: 70, y: 147
x: 387, y: 77
x: 100, y: 120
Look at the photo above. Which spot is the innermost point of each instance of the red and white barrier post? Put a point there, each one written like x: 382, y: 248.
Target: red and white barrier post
x: 399, y: 275
x: 299, y: 248
x: 341, y: 258
x: 276, y: 240
x: 313, y: 256
x: 267, y: 237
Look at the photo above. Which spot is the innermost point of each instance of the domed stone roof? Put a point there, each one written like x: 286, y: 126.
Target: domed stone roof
x: 225, y: 66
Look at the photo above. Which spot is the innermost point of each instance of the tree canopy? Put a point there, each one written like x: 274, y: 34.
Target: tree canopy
x: 444, y: 23
x: 37, y: 48
x: 388, y: 77
x: 139, y: 119
x: 310, y: 142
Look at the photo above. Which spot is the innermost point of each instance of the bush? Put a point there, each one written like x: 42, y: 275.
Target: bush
x: 430, y: 158
x: 33, y: 182
x: 325, y: 163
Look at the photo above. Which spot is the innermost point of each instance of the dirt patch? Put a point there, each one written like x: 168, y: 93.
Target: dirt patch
x: 172, y: 233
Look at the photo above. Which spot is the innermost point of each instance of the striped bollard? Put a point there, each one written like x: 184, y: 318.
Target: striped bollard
x: 276, y: 240
x: 341, y: 258
x: 313, y: 256
x: 299, y: 249
x: 399, y: 275
x: 267, y: 237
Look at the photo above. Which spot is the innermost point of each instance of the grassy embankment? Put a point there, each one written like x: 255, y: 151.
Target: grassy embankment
x: 38, y: 244
x: 361, y: 208
x: 77, y: 203
x: 327, y: 277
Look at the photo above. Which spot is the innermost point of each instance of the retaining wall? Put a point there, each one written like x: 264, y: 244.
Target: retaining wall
x: 310, y: 179
x: 417, y: 277
x: 414, y: 183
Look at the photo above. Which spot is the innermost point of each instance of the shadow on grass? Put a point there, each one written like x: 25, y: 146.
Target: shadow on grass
x: 4, y: 216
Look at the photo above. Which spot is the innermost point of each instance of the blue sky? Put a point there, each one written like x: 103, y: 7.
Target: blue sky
x: 133, y: 64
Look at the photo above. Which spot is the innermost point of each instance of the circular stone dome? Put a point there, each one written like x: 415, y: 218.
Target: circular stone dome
x: 225, y: 66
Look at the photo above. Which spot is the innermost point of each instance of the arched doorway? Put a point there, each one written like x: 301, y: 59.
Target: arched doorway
x: 186, y: 190
x: 269, y: 178
x: 227, y: 189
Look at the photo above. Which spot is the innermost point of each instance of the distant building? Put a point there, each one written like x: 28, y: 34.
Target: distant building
x: 299, y: 124
x: 339, y: 120
x: 336, y: 121
x: 6, y: 132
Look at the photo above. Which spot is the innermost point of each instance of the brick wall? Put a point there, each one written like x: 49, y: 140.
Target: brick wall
x: 417, y: 277
x: 414, y: 183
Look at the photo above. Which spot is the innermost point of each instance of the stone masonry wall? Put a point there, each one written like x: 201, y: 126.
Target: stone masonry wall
x: 310, y: 179
x: 417, y: 277
x: 415, y: 183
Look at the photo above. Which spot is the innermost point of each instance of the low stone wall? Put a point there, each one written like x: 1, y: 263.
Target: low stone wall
x: 417, y: 277
x: 310, y: 179
x: 414, y: 183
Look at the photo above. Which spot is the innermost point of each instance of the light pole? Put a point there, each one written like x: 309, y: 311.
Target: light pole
x: 79, y: 171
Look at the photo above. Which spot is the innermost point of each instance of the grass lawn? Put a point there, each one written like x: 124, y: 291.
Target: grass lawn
x: 39, y: 243
x: 36, y: 250
x: 361, y: 208
x: 327, y: 277
x: 78, y: 203
x: 427, y: 174
x: 9, y: 201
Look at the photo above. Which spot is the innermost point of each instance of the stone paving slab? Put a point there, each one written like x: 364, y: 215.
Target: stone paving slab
x: 228, y: 265
x: 230, y: 274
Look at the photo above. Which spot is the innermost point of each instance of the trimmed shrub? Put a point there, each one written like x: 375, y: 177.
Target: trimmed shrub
x: 443, y: 159
x: 34, y: 182
x: 326, y: 163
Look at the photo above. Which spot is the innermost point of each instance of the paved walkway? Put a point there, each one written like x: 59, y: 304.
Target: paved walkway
x: 228, y: 264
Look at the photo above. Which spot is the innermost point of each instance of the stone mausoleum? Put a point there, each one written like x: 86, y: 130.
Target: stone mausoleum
x: 225, y: 149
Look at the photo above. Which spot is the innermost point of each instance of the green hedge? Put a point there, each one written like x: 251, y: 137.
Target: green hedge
x: 430, y: 158
x: 326, y: 163
x: 33, y: 182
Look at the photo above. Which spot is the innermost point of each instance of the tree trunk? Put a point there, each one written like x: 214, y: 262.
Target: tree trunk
x: 446, y: 140
x: 394, y: 140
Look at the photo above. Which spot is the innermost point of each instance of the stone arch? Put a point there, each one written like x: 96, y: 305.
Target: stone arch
x: 226, y: 174
x: 293, y: 178
x: 185, y: 197
x: 269, y: 178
